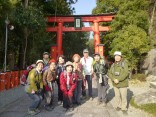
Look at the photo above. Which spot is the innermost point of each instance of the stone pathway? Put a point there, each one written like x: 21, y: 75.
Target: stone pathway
x: 87, y: 108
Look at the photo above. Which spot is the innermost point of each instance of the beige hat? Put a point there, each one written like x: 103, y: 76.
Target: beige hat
x: 69, y: 64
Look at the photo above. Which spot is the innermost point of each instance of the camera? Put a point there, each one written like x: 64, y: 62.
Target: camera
x: 117, y: 73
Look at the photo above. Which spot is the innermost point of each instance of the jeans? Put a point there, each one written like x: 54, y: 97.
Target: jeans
x: 36, y: 100
x: 78, y: 91
x: 89, y: 82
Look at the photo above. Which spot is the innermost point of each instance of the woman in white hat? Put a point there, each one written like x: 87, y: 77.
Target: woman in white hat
x: 34, y: 87
x: 68, y: 82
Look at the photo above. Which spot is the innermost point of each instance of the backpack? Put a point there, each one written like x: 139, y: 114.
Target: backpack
x: 24, y: 76
x: 102, y: 67
x: 122, y: 65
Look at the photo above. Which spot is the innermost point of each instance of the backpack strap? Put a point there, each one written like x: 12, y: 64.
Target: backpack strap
x: 122, y: 65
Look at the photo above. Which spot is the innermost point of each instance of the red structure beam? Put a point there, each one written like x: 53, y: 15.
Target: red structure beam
x: 72, y: 29
x: 84, y: 18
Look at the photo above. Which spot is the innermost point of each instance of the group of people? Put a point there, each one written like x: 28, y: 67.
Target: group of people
x: 71, y: 79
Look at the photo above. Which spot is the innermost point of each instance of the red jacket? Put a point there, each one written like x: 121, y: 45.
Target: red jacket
x: 72, y: 83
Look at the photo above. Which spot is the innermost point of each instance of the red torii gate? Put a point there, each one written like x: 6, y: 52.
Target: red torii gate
x: 60, y: 28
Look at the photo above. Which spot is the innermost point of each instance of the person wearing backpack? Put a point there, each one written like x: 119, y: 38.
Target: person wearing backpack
x: 24, y: 76
x: 46, y: 59
x: 118, y: 73
x: 68, y: 82
x: 34, y: 88
x: 100, y: 69
x: 60, y: 68
x: 49, y: 77
x: 78, y: 70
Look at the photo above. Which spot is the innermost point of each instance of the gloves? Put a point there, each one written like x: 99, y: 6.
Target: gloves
x: 47, y: 88
x: 40, y: 91
x: 65, y: 93
x: 70, y: 93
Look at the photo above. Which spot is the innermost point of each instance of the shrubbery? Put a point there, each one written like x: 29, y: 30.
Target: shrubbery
x: 140, y: 77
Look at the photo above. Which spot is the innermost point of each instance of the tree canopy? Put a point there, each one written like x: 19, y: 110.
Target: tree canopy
x: 29, y: 39
x: 129, y: 29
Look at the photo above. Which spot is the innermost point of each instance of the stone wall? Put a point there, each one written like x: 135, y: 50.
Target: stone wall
x: 149, y: 65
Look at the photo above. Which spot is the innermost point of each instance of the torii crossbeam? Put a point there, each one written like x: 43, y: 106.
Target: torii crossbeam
x: 60, y: 28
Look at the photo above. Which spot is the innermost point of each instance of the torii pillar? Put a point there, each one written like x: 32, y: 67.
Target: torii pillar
x: 96, y: 35
x: 59, y: 38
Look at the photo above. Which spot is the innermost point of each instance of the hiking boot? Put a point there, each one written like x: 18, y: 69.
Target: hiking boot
x: 48, y: 108
x: 124, y: 112
x: 52, y: 107
x: 32, y: 112
x: 98, y: 103
x: 83, y: 97
x: 59, y: 102
x: 104, y: 104
x: 90, y: 99
x: 70, y: 109
x: 78, y: 103
x: 37, y: 110
x: 118, y: 109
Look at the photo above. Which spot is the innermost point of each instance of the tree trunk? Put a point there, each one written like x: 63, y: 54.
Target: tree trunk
x: 26, y: 3
x: 152, y: 18
x: 25, y: 49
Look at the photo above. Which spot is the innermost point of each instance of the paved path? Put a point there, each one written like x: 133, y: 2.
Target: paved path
x: 87, y: 108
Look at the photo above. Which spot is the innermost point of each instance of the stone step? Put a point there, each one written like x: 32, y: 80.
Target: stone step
x: 153, y: 85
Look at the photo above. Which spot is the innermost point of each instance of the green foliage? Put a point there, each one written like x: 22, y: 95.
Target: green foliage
x: 74, y: 43
x: 150, y: 108
x: 29, y: 17
x: 29, y: 39
x: 140, y: 77
x: 129, y: 29
x: 132, y: 42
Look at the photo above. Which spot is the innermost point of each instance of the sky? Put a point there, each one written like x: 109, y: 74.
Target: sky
x: 84, y: 7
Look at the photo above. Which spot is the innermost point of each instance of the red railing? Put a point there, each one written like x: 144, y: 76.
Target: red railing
x: 10, y: 79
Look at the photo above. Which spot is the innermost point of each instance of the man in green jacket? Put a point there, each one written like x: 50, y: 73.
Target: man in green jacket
x: 118, y: 73
x: 34, y: 87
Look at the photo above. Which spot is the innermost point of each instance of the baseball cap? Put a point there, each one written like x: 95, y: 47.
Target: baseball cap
x: 45, y: 53
x: 85, y: 51
x: 96, y: 53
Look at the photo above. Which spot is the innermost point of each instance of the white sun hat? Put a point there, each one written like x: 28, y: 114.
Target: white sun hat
x: 39, y: 61
x: 117, y: 53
